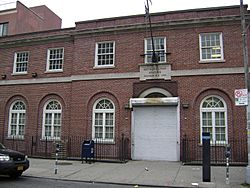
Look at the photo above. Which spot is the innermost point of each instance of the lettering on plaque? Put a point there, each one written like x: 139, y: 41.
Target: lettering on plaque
x: 155, y: 71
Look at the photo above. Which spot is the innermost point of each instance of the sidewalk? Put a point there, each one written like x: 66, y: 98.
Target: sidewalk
x: 150, y: 173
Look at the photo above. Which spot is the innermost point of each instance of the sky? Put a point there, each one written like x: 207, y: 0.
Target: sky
x: 72, y: 11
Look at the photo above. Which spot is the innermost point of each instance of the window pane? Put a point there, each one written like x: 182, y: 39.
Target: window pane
x: 21, y: 130
x: 109, y: 119
x: 48, y: 119
x: 159, y: 46
x: 53, y: 105
x: 109, y: 133
x: 14, y: 118
x: 104, y: 104
x: 98, y: 132
x: 57, y: 131
x: 21, y: 61
x: 3, y: 29
x: 211, y: 46
x: 13, y: 130
x: 57, y: 119
x: 48, y: 131
x: 105, y: 53
x: 56, y: 59
x: 212, y: 102
x: 98, y: 119
x: 207, y: 119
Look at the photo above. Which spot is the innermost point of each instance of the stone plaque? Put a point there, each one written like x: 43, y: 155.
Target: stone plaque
x: 155, y: 71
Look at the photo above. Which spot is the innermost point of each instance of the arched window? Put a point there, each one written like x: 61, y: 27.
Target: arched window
x: 103, y: 120
x: 52, y: 113
x: 17, y: 119
x: 213, y: 112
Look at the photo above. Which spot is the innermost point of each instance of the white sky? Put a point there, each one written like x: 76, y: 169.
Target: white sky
x: 72, y: 11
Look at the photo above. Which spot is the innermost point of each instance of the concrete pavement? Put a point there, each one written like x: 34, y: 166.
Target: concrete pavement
x: 148, y: 173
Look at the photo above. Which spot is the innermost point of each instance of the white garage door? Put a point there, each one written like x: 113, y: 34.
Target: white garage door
x: 155, y: 133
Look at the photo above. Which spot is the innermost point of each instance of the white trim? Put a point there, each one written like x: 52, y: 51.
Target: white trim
x: 155, y: 90
x: 96, y: 55
x: 47, y: 62
x: 213, y: 110
x: 52, y: 125
x: 221, y: 59
x: 145, y: 48
x: 15, y: 63
x: 103, y: 111
x: 17, y: 136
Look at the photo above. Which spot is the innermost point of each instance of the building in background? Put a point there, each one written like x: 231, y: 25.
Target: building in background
x: 22, y: 19
x: 97, y: 81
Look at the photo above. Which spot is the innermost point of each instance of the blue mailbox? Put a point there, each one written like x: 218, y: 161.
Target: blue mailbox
x: 88, y: 151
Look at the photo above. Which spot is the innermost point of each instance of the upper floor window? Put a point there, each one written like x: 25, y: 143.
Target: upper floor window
x: 159, y: 47
x: 17, y: 120
x: 105, y: 54
x: 55, y: 58
x: 104, y: 120
x: 211, y: 47
x: 214, y: 119
x: 21, y: 62
x: 3, y: 29
x: 52, y: 113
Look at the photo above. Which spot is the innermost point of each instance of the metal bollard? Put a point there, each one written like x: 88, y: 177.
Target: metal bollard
x: 227, y: 155
x: 56, y: 162
x: 227, y: 172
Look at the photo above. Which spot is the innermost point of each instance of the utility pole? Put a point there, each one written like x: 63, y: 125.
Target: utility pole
x: 154, y: 55
x: 246, y: 72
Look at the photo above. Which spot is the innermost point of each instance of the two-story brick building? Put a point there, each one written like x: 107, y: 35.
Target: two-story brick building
x: 97, y: 81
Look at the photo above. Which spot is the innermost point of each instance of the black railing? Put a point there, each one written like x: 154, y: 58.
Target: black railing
x: 192, y: 152
x: 70, y: 147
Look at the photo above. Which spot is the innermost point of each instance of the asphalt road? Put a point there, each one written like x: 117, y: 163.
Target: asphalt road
x: 28, y: 182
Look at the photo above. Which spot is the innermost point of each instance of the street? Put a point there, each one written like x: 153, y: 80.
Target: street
x: 28, y: 182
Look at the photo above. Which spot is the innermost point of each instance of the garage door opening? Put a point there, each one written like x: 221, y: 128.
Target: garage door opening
x: 155, y: 128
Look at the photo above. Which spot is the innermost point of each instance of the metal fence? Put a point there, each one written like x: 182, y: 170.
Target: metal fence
x: 192, y: 152
x: 70, y: 147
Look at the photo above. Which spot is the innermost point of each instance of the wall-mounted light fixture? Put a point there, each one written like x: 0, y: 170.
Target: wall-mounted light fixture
x: 185, y: 105
x: 34, y: 74
x: 3, y: 76
x: 126, y: 106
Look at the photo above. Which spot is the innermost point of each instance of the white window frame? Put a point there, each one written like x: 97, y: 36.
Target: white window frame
x: 60, y: 59
x: 21, y: 62
x: 18, y: 123
x: 213, y: 111
x: 146, y: 51
x: 3, y: 29
x: 52, y: 112
x: 215, y: 57
x: 97, y: 54
x: 104, y: 112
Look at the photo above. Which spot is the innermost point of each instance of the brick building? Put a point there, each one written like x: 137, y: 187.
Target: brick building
x: 97, y: 81
x: 22, y: 19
